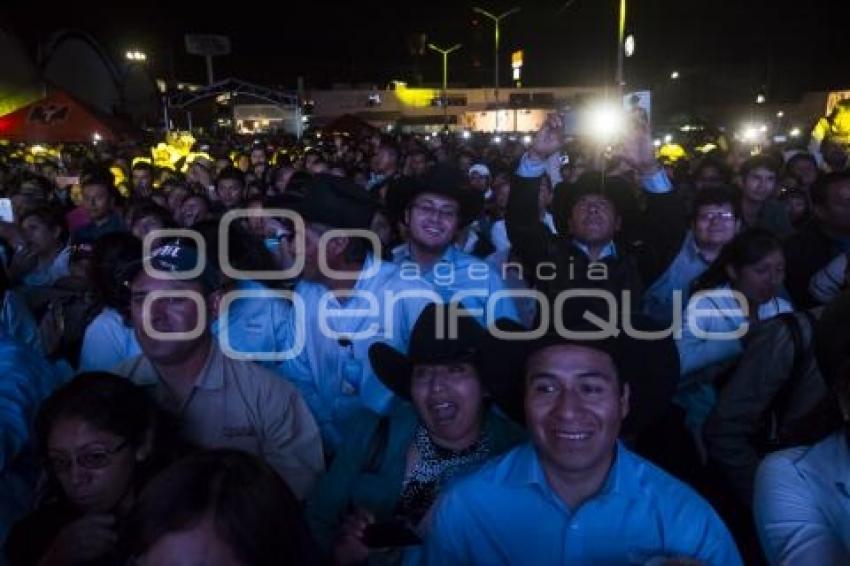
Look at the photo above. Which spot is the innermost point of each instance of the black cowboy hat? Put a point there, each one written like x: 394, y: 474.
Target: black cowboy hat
x: 442, y: 180
x: 650, y: 367
x: 430, y: 343
x: 336, y: 202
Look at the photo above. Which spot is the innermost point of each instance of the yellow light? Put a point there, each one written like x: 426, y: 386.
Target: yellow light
x: 794, y: 133
x: 526, y: 139
x: 415, y: 97
x: 760, y: 99
x: 674, y: 75
x: 604, y: 121
x: 780, y: 114
x: 465, y: 135
x: 668, y: 138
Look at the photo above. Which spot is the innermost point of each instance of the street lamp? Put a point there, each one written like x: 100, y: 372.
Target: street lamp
x: 674, y: 75
x: 496, y: 21
x: 445, y: 54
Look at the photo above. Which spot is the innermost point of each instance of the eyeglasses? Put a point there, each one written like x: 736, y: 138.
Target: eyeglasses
x: 440, y: 213
x: 712, y: 216
x: 90, y: 460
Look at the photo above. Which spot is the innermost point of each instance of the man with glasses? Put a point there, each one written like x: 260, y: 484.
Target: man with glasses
x: 715, y: 222
x: 437, y: 207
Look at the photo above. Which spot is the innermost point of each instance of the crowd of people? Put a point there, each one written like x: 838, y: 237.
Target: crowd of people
x: 395, y: 348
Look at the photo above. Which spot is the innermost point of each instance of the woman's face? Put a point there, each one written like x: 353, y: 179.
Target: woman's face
x: 760, y: 281
x: 94, y: 467
x: 449, y: 400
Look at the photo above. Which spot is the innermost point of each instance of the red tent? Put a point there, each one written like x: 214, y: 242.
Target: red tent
x: 58, y: 117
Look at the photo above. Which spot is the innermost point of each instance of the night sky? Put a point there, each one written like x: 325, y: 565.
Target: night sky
x: 784, y: 46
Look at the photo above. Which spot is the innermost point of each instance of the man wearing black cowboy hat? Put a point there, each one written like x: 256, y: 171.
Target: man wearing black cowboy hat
x: 393, y: 467
x: 350, y: 300
x: 436, y: 208
x: 574, y: 494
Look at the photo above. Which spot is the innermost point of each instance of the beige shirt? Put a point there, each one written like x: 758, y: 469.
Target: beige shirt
x: 238, y: 404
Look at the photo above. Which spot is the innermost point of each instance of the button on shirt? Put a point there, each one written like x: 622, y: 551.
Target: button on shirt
x: 237, y: 404
x: 802, y: 503
x: 506, y: 513
x: 460, y: 275
x: 332, y: 368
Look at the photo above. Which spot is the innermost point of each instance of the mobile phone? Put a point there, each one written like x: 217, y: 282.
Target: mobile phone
x: 391, y: 534
x: 6, y: 213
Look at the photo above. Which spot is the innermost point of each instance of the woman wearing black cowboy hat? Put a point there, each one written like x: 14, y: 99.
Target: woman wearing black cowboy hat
x: 390, y: 470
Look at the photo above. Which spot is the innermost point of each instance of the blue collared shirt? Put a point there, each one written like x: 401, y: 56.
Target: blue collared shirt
x: 457, y: 273
x: 506, y: 513
x: 331, y: 368
x: 683, y: 270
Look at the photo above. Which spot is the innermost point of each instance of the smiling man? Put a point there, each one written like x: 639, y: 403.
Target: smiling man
x: 437, y: 208
x: 574, y: 494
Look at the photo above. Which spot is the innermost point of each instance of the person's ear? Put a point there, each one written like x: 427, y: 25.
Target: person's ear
x: 406, y: 219
x: 732, y: 273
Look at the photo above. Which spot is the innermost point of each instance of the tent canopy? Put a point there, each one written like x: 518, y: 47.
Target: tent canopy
x: 56, y: 118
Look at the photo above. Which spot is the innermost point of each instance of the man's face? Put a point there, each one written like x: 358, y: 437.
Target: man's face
x: 97, y: 201
x: 593, y: 220
x: 478, y: 181
x: 433, y: 221
x: 448, y: 399
x: 759, y: 184
x: 762, y: 280
x: 258, y: 157
x: 805, y: 171
x: 836, y: 212
x: 142, y: 182
x: 715, y: 225
x: 192, y: 211
x: 229, y: 191
x: 169, y: 314
x: 384, y: 161
x: 708, y: 176
x: 418, y: 164
x: 574, y: 406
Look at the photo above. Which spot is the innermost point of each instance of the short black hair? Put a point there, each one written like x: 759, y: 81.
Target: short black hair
x: 759, y: 161
x: 820, y: 189
x: 252, y: 509
x: 233, y: 173
x: 717, y: 196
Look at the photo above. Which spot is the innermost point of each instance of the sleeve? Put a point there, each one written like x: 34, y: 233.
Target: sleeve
x: 291, y: 441
x: 696, y: 530
x: 101, y: 349
x: 499, y: 236
x: 528, y: 235
x: 827, y: 283
x: 699, y: 352
x: 791, y: 527
x: 332, y: 492
x: 445, y: 542
x: 741, y: 405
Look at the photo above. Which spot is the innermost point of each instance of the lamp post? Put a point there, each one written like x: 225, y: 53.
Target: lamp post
x: 496, y: 21
x: 445, y: 53
x: 621, y: 43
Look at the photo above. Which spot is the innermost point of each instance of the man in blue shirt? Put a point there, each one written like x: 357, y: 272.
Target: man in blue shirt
x: 436, y: 209
x: 715, y: 222
x: 574, y: 494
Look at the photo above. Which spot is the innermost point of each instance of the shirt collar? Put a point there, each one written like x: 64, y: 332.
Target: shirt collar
x: 402, y: 253
x: 211, y: 376
x: 610, y: 249
x: 621, y: 478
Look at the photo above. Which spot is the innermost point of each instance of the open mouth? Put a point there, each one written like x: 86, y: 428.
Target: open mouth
x: 443, y: 412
